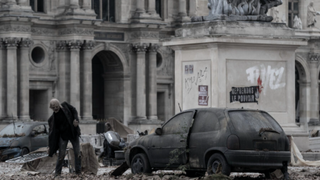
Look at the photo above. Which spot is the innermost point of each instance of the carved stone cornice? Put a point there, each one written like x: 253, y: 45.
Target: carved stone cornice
x: 26, y: 43
x: 140, y: 47
x: 75, y: 44
x: 88, y: 45
x: 61, y: 45
x: 145, y: 35
x: 76, y: 31
x: 314, y: 57
x: 11, y: 42
x: 15, y: 28
x: 42, y: 31
x: 153, y: 47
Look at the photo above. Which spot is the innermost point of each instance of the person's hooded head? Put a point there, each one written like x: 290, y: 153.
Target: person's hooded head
x: 55, y: 105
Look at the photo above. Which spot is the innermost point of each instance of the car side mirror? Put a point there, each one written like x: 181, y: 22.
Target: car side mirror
x: 33, y: 134
x: 159, y: 131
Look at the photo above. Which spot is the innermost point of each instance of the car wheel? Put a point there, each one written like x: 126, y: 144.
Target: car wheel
x: 24, y: 151
x: 195, y: 173
x: 140, y: 164
x: 216, y: 164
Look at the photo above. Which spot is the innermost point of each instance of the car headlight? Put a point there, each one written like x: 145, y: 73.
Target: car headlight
x: 15, y: 143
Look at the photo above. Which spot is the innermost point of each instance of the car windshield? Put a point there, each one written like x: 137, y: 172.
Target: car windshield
x: 17, y: 130
x: 248, y: 121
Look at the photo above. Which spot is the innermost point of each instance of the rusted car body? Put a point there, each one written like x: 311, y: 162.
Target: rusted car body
x: 20, y: 138
x: 213, y: 140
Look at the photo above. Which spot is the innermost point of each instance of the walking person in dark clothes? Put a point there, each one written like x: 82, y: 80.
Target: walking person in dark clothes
x: 64, y: 127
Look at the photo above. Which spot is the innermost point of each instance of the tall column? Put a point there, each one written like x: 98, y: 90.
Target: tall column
x: 3, y: 81
x: 75, y: 46
x: 304, y: 105
x: 86, y: 4
x: 314, y: 94
x: 182, y: 14
x: 63, y: 71
x: 74, y: 3
x: 152, y: 84
x: 151, y: 9
x: 141, y: 80
x: 303, y: 11
x: 86, y: 85
x: 140, y: 6
x: 12, y: 73
x: 23, y: 80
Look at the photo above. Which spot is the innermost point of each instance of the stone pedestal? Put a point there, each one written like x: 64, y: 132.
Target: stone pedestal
x: 238, y: 64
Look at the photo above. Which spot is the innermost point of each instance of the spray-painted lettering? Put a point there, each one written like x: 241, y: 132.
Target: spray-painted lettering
x: 193, y: 81
x: 266, y: 77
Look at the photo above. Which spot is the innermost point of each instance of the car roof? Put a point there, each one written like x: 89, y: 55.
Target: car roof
x: 222, y: 109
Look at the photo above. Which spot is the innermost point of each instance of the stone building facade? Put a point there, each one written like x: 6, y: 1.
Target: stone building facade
x: 106, y: 58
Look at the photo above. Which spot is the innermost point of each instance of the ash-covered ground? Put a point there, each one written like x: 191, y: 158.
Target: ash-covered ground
x: 12, y: 171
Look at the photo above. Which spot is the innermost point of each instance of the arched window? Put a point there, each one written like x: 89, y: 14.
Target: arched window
x: 293, y: 10
x: 105, y: 9
x: 37, y: 5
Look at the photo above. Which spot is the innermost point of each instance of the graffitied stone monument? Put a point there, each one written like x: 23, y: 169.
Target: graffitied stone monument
x: 227, y: 62
x: 239, y: 10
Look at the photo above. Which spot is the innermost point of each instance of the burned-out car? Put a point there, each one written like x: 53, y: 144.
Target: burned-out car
x: 213, y: 140
x: 20, y: 138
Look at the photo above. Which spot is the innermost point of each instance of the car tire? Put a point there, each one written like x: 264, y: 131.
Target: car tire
x: 217, y: 163
x: 140, y: 164
x: 195, y: 173
x: 24, y: 151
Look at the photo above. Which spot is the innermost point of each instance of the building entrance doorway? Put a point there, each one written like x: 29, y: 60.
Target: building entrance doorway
x: 107, y: 86
x: 39, y: 105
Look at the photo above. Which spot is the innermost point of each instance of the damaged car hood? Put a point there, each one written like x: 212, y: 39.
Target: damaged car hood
x: 5, y: 142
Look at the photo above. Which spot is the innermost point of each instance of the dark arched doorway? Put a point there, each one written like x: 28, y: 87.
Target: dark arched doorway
x: 107, y: 86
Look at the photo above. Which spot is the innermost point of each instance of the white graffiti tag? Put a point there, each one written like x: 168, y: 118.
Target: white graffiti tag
x: 269, y: 77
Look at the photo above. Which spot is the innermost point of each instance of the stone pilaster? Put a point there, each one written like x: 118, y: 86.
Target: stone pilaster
x: 141, y: 49
x: 151, y: 9
x: 86, y: 85
x: 64, y: 72
x: 12, y: 79
x: 23, y: 80
x: 140, y: 9
x: 75, y: 46
x: 152, y: 82
x: 314, y: 92
x: 3, y: 80
x: 182, y: 14
x: 74, y: 4
x: 86, y: 4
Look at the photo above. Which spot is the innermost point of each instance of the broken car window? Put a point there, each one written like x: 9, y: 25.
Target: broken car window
x: 39, y: 130
x: 253, y: 121
x: 205, y: 121
x: 179, y: 124
x: 14, y: 130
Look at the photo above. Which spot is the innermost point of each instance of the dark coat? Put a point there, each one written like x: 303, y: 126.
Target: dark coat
x: 71, y: 114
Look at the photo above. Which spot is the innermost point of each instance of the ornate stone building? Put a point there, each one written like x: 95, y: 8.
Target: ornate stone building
x: 106, y: 58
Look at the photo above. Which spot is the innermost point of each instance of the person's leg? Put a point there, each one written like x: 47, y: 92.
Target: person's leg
x: 62, y: 154
x: 77, y: 156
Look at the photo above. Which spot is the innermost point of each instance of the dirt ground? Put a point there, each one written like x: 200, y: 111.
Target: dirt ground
x: 12, y: 171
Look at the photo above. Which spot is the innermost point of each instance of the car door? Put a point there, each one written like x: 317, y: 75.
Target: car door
x: 205, y: 134
x: 39, y: 137
x: 169, y: 148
